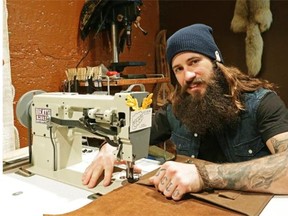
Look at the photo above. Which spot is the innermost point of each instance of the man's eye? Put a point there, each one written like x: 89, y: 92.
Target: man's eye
x: 194, y: 61
x: 176, y: 70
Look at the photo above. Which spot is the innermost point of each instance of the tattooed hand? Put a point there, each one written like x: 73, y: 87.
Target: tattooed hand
x: 175, y: 179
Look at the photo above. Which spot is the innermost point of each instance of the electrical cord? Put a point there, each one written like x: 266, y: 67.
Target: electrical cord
x: 98, y: 30
x: 54, y: 149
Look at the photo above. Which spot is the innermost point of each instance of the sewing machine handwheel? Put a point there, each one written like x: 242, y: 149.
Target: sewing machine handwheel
x: 23, y: 107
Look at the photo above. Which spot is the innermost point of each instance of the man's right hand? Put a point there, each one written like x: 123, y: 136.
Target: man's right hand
x: 103, y: 162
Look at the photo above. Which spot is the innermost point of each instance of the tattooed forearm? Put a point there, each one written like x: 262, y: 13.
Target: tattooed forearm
x: 255, y: 175
x: 279, y: 145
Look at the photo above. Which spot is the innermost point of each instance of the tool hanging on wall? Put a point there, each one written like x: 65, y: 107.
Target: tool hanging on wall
x: 117, y: 17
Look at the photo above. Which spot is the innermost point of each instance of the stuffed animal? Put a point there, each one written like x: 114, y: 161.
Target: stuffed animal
x: 252, y: 17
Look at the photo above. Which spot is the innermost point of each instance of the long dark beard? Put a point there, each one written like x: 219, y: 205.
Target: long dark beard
x: 208, y: 113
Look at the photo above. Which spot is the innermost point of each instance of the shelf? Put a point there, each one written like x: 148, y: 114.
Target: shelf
x: 124, y: 82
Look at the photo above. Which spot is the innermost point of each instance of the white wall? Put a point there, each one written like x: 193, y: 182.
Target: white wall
x: 7, y: 118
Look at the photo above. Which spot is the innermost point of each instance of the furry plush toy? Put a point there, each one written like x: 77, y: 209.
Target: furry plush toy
x: 252, y: 17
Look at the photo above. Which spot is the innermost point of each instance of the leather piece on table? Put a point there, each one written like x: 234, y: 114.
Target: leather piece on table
x: 246, y: 203
x: 142, y: 199
x: 138, y: 200
x: 243, y: 202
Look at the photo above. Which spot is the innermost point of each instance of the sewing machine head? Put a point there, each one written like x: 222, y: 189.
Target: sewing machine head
x: 60, y: 120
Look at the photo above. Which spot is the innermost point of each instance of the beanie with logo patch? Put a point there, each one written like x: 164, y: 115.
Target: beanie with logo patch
x: 195, y: 38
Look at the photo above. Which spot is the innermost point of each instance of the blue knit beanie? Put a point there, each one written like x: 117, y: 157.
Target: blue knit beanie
x: 196, y: 38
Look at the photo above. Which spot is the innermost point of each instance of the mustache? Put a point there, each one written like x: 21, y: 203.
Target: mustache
x: 187, y: 84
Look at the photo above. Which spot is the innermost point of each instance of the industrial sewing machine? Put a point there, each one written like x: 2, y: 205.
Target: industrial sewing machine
x: 60, y: 120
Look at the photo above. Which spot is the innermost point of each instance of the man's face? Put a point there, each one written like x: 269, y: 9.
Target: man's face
x: 202, y: 105
x: 193, y: 72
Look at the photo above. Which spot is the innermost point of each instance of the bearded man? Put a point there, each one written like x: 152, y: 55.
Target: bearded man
x: 217, y: 114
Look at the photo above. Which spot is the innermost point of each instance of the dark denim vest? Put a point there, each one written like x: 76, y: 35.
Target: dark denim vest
x: 241, y: 143
x: 187, y: 143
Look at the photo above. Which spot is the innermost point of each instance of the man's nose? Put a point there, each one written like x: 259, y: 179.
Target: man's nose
x: 189, y: 75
